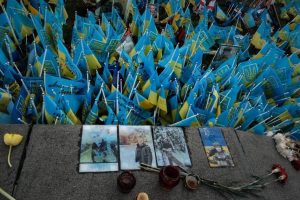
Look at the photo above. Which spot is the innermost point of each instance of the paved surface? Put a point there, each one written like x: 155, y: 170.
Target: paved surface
x: 8, y: 175
x: 50, y: 169
x: 261, y: 154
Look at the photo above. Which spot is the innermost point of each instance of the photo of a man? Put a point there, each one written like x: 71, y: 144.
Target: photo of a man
x: 216, y: 149
x: 136, y: 147
x: 170, y: 147
x: 154, y: 12
x: 143, y: 152
x: 219, y: 156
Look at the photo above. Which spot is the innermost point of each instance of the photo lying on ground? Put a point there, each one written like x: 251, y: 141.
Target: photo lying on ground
x: 136, y: 146
x: 170, y: 147
x: 216, y: 148
x: 99, y: 149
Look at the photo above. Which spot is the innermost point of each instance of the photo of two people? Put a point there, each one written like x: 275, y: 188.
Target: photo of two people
x: 99, y: 149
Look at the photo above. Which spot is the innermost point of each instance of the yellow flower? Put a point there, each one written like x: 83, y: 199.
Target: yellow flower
x: 12, y: 139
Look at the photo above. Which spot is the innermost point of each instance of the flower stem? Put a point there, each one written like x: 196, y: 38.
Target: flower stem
x: 8, y: 157
x: 256, y: 181
x: 8, y: 196
x: 268, y: 183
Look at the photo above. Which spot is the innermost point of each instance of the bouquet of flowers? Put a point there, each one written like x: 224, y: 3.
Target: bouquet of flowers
x: 288, y: 148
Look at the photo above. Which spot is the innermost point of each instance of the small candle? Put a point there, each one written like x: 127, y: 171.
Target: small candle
x: 142, y: 196
x: 126, y: 181
x: 169, y: 177
x: 191, y: 181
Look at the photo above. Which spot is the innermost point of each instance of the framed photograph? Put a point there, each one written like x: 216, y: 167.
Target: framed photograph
x: 215, y: 147
x: 154, y: 11
x: 170, y: 147
x: 224, y: 53
x: 99, y: 149
x: 136, y: 146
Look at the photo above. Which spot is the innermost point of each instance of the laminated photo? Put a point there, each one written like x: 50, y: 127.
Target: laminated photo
x: 170, y: 147
x: 136, y: 146
x: 154, y: 11
x: 99, y: 149
x: 216, y: 148
x: 223, y: 54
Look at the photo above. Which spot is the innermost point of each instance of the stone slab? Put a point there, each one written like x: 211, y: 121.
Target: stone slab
x: 261, y: 154
x: 50, y: 170
x: 8, y: 175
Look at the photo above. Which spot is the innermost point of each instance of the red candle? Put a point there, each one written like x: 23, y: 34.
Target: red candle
x: 169, y: 177
x: 126, y: 181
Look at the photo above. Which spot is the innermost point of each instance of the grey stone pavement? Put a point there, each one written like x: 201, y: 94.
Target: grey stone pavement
x: 50, y: 168
x: 8, y: 176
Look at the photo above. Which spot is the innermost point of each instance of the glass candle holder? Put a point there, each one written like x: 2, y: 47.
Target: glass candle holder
x: 126, y: 181
x: 169, y: 177
x: 191, y: 181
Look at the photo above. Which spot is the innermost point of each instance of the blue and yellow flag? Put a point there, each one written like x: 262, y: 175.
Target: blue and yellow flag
x: 69, y: 112
x: 148, y: 25
x: 220, y: 15
x: 162, y: 102
x: 188, y: 122
x: 214, y: 102
x: 19, y: 20
x: 47, y: 61
x: 11, y: 49
x: 96, y: 40
x: 42, y: 35
x: 224, y: 70
x: 150, y: 88
x: 172, y: 7
x: 117, y: 22
x: 249, y: 19
x: 94, y: 112
x: 67, y: 67
x: 142, y: 102
x: 143, y: 44
x: 91, y: 61
x: 249, y: 70
x: 228, y: 98
x: 52, y: 26
x: 54, y: 114
x: 262, y: 35
x: 174, y: 108
x: 60, y: 12
x: 136, y: 24
x: 6, y: 103
x: 169, y: 33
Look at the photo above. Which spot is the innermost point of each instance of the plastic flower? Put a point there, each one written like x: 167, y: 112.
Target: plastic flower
x: 12, y: 139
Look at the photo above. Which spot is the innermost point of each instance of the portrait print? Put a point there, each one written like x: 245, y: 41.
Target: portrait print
x: 136, y: 147
x: 170, y: 147
x: 99, y: 149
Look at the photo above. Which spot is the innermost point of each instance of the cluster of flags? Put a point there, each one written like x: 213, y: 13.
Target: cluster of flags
x: 106, y: 78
